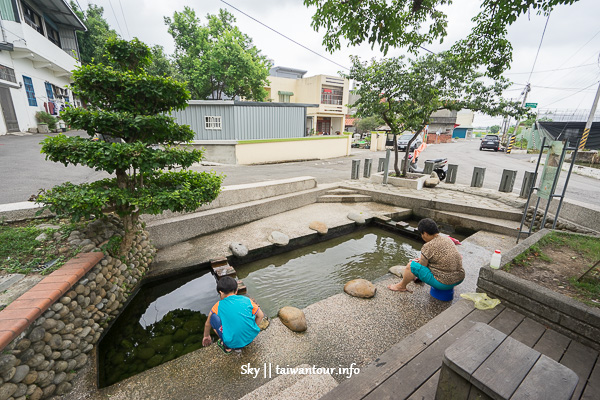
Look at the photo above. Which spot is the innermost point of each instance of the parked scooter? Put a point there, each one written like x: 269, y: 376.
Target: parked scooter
x: 440, y: 166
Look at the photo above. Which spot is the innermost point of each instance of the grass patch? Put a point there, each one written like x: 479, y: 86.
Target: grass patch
x: 20, y: 252
x: 524, y: 259
x: 587, y: 164
x: 588, y: 289
x: 588, y: 246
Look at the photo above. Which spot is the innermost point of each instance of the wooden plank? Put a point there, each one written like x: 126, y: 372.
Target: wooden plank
x: 218, y: 262
x: 507, y: 321
x: 504, y: 370
x: 407, y: 380
x: 428, y: 389
x: 528, y: 332
x: 552, y: 344
x: 580, y: 359
x: 468, y: 353
x: 241, y: 287
x: 547, y: 380
x: 392, y: 360
x: 592, y: 388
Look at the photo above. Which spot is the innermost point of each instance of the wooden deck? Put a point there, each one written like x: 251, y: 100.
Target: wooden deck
x: 410, y: 369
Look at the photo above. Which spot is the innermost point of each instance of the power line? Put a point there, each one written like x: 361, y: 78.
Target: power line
x: 288, y: 38
x: 539, y: 47
x: 124, y: 19
x: 550, y: 70
x: 115, y: 14
x: 572, y: 94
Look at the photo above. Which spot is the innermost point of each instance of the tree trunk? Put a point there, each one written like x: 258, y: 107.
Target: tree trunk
x: 396, y: 168
x: 128, y: 216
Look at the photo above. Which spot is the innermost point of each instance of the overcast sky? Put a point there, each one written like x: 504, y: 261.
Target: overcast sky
x: 571, y: 43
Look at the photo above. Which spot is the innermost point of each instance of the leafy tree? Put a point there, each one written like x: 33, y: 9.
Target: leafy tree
x: 217, y: 59
x: 92, y: 41
x: 404, y: 93
x: 162, y: 65
x: 131, y: 108
x: 368, y: 124
x: 494, y: 129
x: 414, y: 23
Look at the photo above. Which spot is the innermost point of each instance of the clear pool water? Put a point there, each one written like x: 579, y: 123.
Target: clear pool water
x: 166, y: 319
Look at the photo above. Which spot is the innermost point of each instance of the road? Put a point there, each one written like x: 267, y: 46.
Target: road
x: 25, y: 170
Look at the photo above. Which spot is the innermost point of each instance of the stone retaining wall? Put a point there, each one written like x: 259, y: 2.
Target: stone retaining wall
x: 63, y: 317
x: 562, y: 313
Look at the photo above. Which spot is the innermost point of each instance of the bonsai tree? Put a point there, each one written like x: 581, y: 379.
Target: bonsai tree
x: 129, y: 109
x: 404, y: 93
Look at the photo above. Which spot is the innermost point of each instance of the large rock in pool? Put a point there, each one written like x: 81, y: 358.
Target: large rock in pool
x: 278, y: 238
x: 360, y: 288
x: 293, y: 318
x: 397, y: 270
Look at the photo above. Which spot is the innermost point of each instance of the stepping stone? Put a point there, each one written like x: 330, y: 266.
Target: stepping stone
x: 278, y: 238
x: 238, y: 249
x: 318, y: 226
x: 397, y: 270
x: 293, y: 318
x: 360, y: 288
x: 224, y: 270
x: 359, y: 217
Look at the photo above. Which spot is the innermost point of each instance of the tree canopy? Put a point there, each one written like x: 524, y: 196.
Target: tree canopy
x: 414, y: 23
x: 368, y: 124
x: 129, y: 108
x: 404, y: 93
x: 92, y: 41
x: 494, y: 128
x: 217, y: 59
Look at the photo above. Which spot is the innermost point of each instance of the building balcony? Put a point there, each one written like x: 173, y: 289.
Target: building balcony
x: 29, y: 44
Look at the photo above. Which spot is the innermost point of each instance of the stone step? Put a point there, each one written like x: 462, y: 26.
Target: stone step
x: 218, y: 262
x: 353, y: 198
x: 241, y: 287
x: 224, y: 270
x: 475, y: 222
x: 293, y: 386
x: 341, y: 191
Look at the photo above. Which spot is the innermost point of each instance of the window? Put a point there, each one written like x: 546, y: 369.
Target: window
x: 53, y: 35
x: 212, y: 122
x: 30, y: 92
x: 332, y: 96
x: 8, y: 74
x: 49, y: 91
x: 284, y: 97
x: 32, y: 18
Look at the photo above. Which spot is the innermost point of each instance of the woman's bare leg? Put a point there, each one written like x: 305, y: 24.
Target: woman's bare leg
x: 407, y: 277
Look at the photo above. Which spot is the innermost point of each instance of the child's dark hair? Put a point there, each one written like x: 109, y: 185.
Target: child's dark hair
x: 227, y: 285
x: 427, y: 225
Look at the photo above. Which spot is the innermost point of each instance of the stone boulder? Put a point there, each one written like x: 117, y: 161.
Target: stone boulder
x: 318, y: 226
x: 432, y: 181
x: 397, y: 270
x: 238, y: 249
x: 278, y: 238
x: 293, y: 318
x: 360, y: 288
x: 359, y: 217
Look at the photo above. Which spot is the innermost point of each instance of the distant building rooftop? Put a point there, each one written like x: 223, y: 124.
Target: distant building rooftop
x: 286, y: 72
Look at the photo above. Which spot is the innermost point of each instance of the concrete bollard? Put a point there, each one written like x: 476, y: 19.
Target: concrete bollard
x: 367, y: 170
x: 428, y: 169
x: 528, y: 182
x: 508, y: 181
x: 451, y: 174
x: 478, y: 175
x: 355, y: 169
x: 380, y: 164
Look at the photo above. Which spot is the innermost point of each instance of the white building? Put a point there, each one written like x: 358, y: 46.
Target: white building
x: 38, y: 51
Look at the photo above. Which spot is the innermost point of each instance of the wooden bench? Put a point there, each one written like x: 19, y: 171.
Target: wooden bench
x: 486, y: 364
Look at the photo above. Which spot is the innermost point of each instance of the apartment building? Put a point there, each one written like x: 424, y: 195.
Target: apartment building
x: 288, y: 85
x: 38, y: 51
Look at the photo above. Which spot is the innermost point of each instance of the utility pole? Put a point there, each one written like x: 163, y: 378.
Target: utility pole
x: 525, y: 93
x: 588, y: 125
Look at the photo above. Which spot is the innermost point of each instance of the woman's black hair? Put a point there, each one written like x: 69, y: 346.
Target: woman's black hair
x: 227, y: 285
x: 427, y: 225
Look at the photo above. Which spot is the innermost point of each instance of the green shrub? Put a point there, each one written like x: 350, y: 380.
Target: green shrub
x: 45, y: 118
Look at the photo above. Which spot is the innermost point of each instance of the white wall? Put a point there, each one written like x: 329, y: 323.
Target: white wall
x: 293, y: 150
